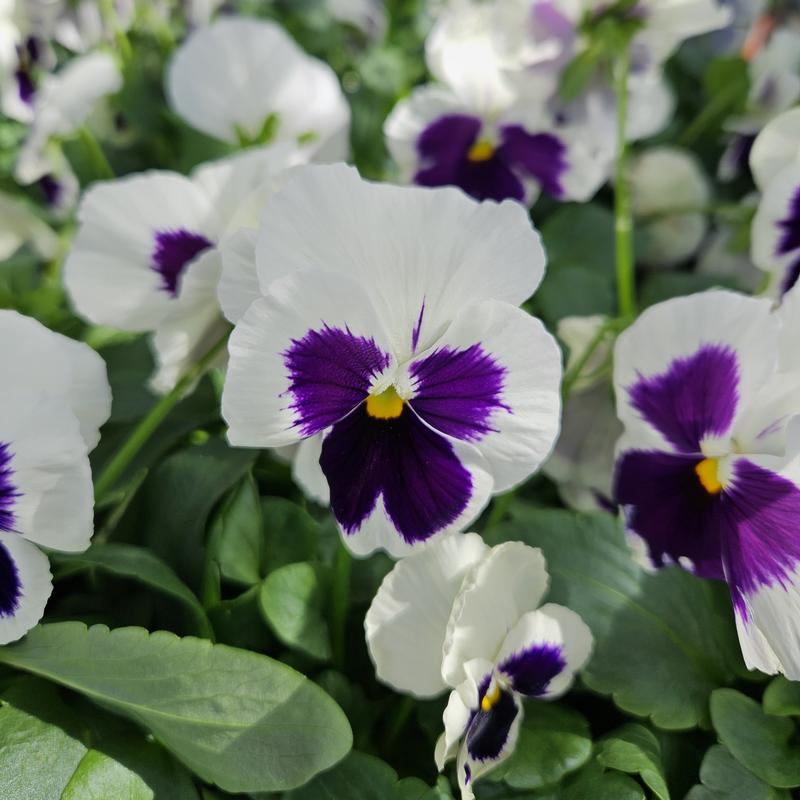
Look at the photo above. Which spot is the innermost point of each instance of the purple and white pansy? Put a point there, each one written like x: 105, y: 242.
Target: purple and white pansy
x: 706, y: 471
x: 394, y: 332
x: 145, y: 256
x: 464, y: 616
x: 49, y: 421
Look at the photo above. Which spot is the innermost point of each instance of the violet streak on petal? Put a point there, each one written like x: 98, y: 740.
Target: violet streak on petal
x: 330, y: 373
x: 10, y: 584
x: 789, y: 242
x: 423, y: 484
x: 173, y: 251
x: 457, y: 391
x: 694, y: 398
x: 532, y: 669
x: 8, y: 491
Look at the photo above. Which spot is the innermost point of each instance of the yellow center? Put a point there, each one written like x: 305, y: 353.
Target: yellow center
x: 707, y: 472
x: 482, y: 150
x: 386, y: 405
x: 490, y: 699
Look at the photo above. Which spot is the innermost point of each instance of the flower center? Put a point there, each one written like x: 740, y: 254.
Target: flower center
x: 491, y: 698
x: 708, y: 472
x: 386, y: 405
x: 482, y: 150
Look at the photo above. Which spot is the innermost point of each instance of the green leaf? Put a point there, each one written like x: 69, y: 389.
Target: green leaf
x: 758, y: 741
x: 237, y: 719
x: 592, y: 783
x: 136, y: 563
x: 362, y: 777
x: 663, y: 642
x: 573, y: 291
x: 635, y: 750
x: 291, y: 533
x: 553, y: 741
x: 782, y: 698
x: 236, y: 541
x: 580, y: 235
x: 724, y: 778
x: 292, y: 600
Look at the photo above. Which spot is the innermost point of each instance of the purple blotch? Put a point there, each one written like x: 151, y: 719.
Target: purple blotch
x: 330, y: 373
x: 10, y: 584
x: 789, y: 241
x: 533, y: 668
x: 52, y: 189
x: 694, y: 398
x: 8, y: 491
x: 423, y: 484
x: 457, y: 391
x: 173, y: 251
x: 488, y: 731
x: 25, y: 86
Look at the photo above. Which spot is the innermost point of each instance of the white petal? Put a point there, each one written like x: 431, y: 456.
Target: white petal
x: 776, y: 148
x: 236, y: 72
x: 47, y: 363
x: 254, y: 401
x: 307, y: 473
x: 421, y: 254
x: 238, y: 286
x: 31, y: 572
x: 50, y: 472
x: 109, y: 273
x: 20, y: 225
x: 524, y: 422
x: 508, y: 583
x: 651, y: 104
x: 678, y: 328
x: 407, y: 620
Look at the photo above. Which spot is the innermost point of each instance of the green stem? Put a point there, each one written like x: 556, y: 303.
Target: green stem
x: 500, y: 506
x: 623, y: 219
x: 102, y: 168
x: 574, y: 372
x: 109, y: 13
x: 340, y: 598
x: 144, y: 430
x: 714, y: 109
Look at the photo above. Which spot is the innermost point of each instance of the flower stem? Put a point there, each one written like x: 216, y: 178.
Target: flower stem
x: 623, y: 220
x: 102, y: 169
x: 111, y: 19
x: 145, y: 429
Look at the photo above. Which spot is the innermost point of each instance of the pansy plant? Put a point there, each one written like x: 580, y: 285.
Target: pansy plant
x: 387, y: 324
x: 464, y: 616
x: 706, y: 471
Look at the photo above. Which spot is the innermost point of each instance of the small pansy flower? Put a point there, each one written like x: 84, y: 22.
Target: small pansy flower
x: 246, y: 81
x: 464, y: 616
x: 49, y: 421
x: 145, y: 255
x: 706, y: 471
x: 394, y: 331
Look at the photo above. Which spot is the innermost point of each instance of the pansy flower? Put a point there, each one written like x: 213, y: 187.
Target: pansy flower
x: 145, y: 255
x: 394, y: 331
x: 246, y: 81
x: 462, y: 615
x: 705, y: 472
x: 49, y: 420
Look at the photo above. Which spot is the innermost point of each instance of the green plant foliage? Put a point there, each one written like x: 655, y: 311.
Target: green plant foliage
x: 635, y: 750
x: 724, y: 778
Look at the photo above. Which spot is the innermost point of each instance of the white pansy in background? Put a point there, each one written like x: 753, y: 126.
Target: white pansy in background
x: 19, y: 225
x: 369, y: 16
x: 395, y: 332
x: 776, y: 148
x: 669, y: 197
x: 64, y: 103
x: 726, y: 255
x: 707, y: 470
x: 49, y: 421
x: 246, y: 80
x: 145, y: 255
x: 464, y: 616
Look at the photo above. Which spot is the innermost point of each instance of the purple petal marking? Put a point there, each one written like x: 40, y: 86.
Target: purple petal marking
x: 8, y: 491
x: 542, y: 156
x: 665, y: 503
x: 52, y: 189
x: 424, y: 485
x: 330, y: 372
x: 10, y: 584
x: 533, y: 668
x: 488, y: 731
x: 173, y: 251
x: 25, y: 86
x: 789, y: 241
x: 417, y: 328
x: 458, y: 390
x: 757, y: 519
x: 443, y: 148
x: 694, y: 398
